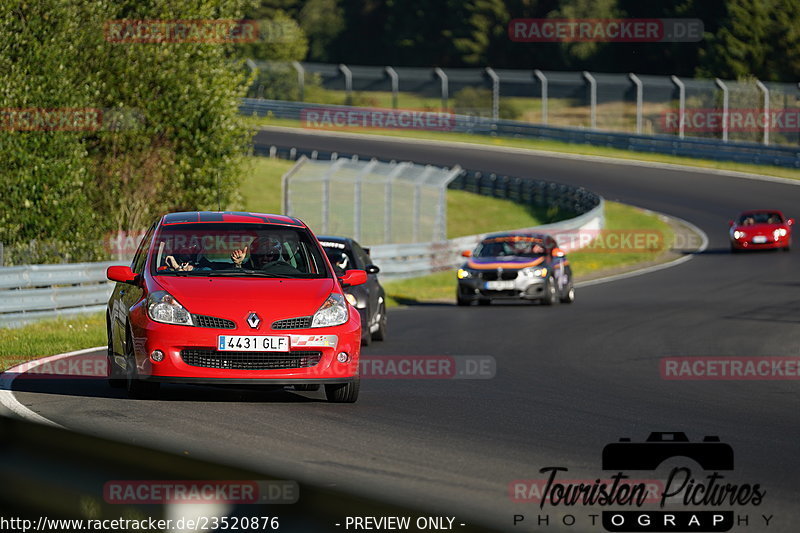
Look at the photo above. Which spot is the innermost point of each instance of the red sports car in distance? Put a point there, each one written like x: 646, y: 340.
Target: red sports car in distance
x: 757, y: 230
x: 233, y: 298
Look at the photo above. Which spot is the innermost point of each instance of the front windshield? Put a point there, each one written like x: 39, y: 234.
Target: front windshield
x: 764, y: 217
x: 510, y: 246
x: 230, y: 249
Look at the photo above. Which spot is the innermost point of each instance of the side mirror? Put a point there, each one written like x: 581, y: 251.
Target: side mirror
x: 121, y: 274
x: 366, y: 250
x: 373, y: 269
x: 790, y: 222
x: 353, y: 277
x: 466, y: 253
x: 730, y: 223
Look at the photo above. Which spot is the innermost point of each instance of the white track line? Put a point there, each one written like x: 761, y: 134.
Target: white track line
x: 544, y: 153
x: 7, y: 378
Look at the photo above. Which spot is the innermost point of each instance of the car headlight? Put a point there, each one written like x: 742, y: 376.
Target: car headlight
x: 331, y: 313
x: 463, y: 273
x: 350, y: 299
x: 738, y: 234
x: 780, y: 232
x: 163, y: 307
x: 533, y: 272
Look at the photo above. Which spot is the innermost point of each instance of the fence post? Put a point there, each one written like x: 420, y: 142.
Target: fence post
x: 639, y: 104
x: 301, y: 78
x: 348, y: 83
x: 495, y: 93
x: 592, y: 98
x: 387, y: 201
x: 395, y: 85
x: 681, y: 105
x: 445, y: 88
x: 357, y: 197
x: 725, y: 103
x: 543, y: 80
x: 765, y: 90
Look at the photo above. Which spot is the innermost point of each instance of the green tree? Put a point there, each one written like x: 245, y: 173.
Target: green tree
x: 182, y: 146
x: 322, y: 20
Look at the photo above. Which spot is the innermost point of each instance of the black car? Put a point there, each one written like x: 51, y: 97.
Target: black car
x: 515, y: 266
x: 370, y: 300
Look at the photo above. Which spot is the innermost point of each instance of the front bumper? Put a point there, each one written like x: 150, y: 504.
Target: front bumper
x: 748, y: 244
x: 525, y: 288
x: 178, y: 342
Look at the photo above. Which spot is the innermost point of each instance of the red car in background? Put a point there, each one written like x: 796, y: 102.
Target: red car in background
x: 233, y: 298
x: 761, y: 229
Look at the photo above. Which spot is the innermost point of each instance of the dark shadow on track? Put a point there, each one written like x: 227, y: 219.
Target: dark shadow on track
x: 99, y: 388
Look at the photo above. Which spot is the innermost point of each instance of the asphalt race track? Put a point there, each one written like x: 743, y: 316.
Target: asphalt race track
x: 570, y: 379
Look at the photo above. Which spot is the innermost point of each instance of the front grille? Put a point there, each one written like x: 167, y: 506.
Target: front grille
x: 249, y: 360
x: 491, y: 275
x: 300, y: 322
x: 203, y: 321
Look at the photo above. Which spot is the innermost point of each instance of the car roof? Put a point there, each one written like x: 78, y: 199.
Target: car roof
x: 185, y: 217
x: 512, y: 234
x: 333, y: 238
x: 757, y: 211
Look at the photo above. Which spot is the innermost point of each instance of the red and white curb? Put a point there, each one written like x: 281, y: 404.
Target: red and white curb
x: 10, y: 402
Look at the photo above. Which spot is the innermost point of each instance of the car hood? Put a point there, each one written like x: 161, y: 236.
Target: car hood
x: 505, y: 262
x: 234, y: 297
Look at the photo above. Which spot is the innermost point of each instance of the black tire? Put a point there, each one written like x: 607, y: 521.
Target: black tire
x: 550, y: 292
x: 307, y: 388
x: 137, y: 388
x: 380, y: 333
x: 116, y: 376
x: 734, y: 250
x: 787, y: 248
x: 484, y: 301
x: 366, y: 337
x: 462, y: 301
x: 343, y: 392
x: 569, y: 297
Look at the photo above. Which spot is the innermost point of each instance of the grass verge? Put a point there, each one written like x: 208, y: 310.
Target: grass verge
x: 553, y: 146
x: 50, y: 337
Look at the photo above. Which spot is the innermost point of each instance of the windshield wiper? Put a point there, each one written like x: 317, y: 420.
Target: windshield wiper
x: 246, y: 272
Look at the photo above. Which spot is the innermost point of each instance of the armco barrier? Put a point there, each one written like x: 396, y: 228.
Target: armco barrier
x: 34, y: 292
x: 740, y: 152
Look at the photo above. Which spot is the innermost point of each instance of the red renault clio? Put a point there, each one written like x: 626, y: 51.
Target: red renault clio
x: 232, y: 298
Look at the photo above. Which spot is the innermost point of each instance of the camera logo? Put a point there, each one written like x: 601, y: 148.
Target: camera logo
x: 710, y: 454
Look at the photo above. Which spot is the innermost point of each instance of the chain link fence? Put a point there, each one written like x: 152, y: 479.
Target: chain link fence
x: 744, y: 110
x: 374, y: 202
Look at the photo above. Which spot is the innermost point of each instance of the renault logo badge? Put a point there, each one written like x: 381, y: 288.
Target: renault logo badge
x: 253, y: 320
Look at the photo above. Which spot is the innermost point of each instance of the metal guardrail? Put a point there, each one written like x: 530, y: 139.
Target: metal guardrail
x: 35, y: 292
x: 718, y: 150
